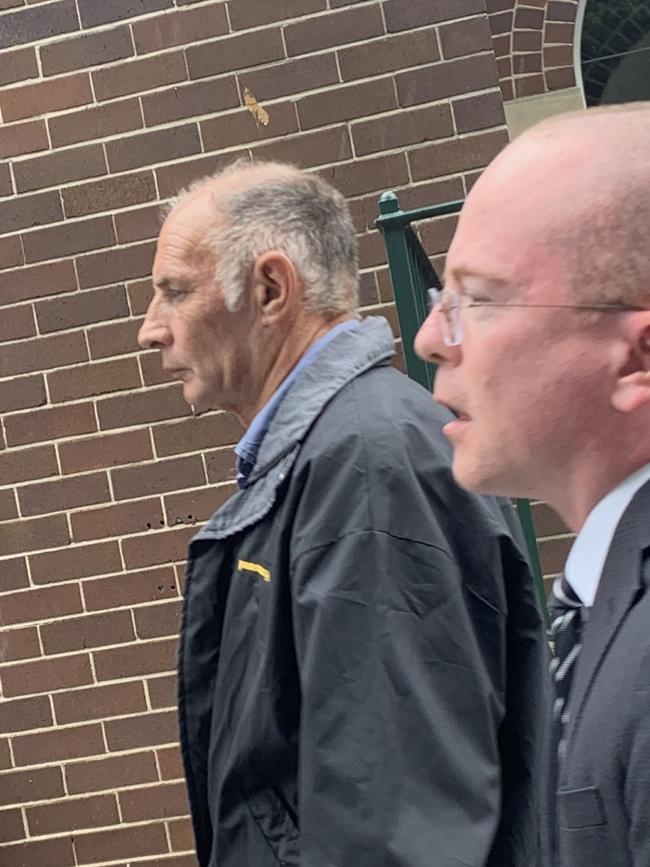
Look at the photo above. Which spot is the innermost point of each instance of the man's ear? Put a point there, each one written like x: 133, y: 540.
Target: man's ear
x: 632, y: 389
x: 277, y: 286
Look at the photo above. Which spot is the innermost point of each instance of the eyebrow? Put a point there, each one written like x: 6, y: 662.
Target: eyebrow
x: 460, y: 274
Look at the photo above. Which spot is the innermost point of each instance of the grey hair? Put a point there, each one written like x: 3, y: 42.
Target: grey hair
x: 283, y: 208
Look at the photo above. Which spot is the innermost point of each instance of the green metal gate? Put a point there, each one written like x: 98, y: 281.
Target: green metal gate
x: 412, y: 274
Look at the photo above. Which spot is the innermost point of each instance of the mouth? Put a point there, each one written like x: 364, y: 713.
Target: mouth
x: 176, y: 372
x: 455, y: 428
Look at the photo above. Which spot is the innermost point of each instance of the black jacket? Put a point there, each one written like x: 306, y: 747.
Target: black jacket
x: 362, y: 659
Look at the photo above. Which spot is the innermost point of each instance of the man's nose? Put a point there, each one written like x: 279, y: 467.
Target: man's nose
x: 430, y: 344
x: 153, y: 333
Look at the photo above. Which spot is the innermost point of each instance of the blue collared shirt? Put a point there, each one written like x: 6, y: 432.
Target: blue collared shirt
x: 249, y: 445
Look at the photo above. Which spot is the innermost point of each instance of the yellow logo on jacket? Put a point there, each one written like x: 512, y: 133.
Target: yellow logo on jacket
x: 247, y: 566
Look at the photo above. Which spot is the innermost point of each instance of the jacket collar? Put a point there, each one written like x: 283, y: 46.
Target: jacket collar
x: 342, y: 360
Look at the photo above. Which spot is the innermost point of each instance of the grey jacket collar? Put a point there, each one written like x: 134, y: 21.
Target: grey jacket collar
x: 342, y: 360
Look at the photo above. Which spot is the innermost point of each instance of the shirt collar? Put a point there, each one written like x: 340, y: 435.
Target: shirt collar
x: 589, y: 551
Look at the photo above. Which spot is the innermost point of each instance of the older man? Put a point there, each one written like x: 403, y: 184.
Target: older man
x: 361, y: 659
x: 542, y: 334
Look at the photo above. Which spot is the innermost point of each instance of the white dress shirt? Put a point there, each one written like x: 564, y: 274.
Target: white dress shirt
x: 589, y: 551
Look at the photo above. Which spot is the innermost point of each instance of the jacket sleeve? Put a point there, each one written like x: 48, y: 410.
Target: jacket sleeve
x: 399, y: 754
x: 637, y: 790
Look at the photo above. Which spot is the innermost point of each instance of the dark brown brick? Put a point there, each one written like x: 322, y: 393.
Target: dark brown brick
x: 140, y: 292
x: 198, y: 432
x: 553, y: 553
x: 151, y: 657
x: 20, y: 787
x: 364, y: 176
x: 502, y: 44
x: 154, y: 802
x: 51, y: 746
x: 152, y: 372
x: 46, y: 675
x: 403, y: 128
x: 14, y: 573
x: 457, y: 155
x: 291, y: 77
x: 171, y: 764
x: 501, y: 23
x: 75, y: 562
x: 107, y: 195
x: 24, y: 714
x: 522, y: 64
x: 91, y: 49
x: 190, y: 100
x: 389, y: 54
x: 221, y: 465
x: 180, y: 28
x: 55, y: 242
x: 132, y: 589
x: 234, y: 53
x: 121, y: 843
x: 163, y: 690
x: 30, y: 100
x: 21, y: 536
x: 500, y: 5
x: 558, y: 55
x: 73, y: 814
x: 40, y: 604
x: 21, y: 644
x: 465, y: 37
x: 193, y: 506
x: 250, y: 13
x: 26, y: 464
x: 158, y: 477
x: 6, y: 184
x: 41, y: 352
x: 118, y: 520
x: 408, y: 14
x: 234, y: 128
x: 56, y: 852
x: 436, y: 234
x: 559, y: 31
x: 159, y: 146
x: 30, y: 282
x: 95, y: 122
x: 336, y: 28
x: 175, y: 176
x: 11, y: 252
x: 105, y: 451
x: 529, y: 19
x: 11, y: 826
x: 94, y: 379
x: 110, y: 773
x: 93, y: 13
x: 23, y: 138
x: 140, y: 224
x: 478, y: 112
x: 8, y: 508
x: 18, y: 66
x: 167, y: 546
x: 61, y: 494
x: 557, y: 79
x: 561, y: 11
x: 547, y: 522
x: 522, y: 40
x: 17, y: 322
x: 99, y: 702
x: 446, y: 79
x: 5, y: 756
x: 157, y: 621
x: 135, y: 76
x: 90, y: 630
x: 529, y: 85
x: 117, y: 338
x: 30, y: 25
x: 151, y: 729
x: 82, y: 308
x: 113, y: 266
x: 309, y: 149
x: 49, y: 424
x: 28, y: 211
x: 346, y: 103
x: 60, y: 167
x: 504, y: 67
x: 141, y: 408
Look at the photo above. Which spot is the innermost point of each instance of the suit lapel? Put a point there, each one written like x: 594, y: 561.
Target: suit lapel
x: 617, y: 591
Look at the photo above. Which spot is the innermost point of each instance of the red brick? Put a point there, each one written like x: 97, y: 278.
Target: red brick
x: 134, y: 76
x: 501, y: 23
x: 37, y: 280
x: 140, y: 291
x: 446, y: 79
x: 197, y: 506
x: 120, y: 843
x: 30, y: 100
x: 140, y: 224
x: 14, y: 573
x: 11, y: 253
x: 174, y: 177
x: 78, y: 561
x: 22, y: 64
x: 132, y: 660
x: 436, y: 234
x: 30, y: 25
x: 39, y: 604
x: 56, y: 852
x: 111, y: 773
x: 168, y: 546
x: 234, y: 53
x: 41, y: 353
x: 73, y: 814
x: 19, y: 787
x: 8, y: 509
x: 99, y: 702
x: 51, y: 746
x: 170, y: 763
x: 180, y: 28
x: 17, y: 322
x: 24, y: 714
x: 561, y: 11
x: 529, y: 85
x: 55, y: 242
x: 479, y: 112
x: 457, y: 155
x: 117, y: 338
x: 90, y: 49
x: 95, y: 122
x: 130, y: 589
x: 90, y: 630
x: 529, y: 19
x: 158, y: 477
x: 23, y: 138
x: 402, y: 128
x: 309, y: 149
x: 163, y: 691
x: 35, y: 463
x: 181, y: 835
x: 5, y: 756
x: 22, y: 392
x: 49, y: 424
x: 291, y: 77
x: 113, y: 266
x: 336, y: 28
x: 105, y: 451
x: 46, y: 675
x: 547, y: 522
x: 93, y: 13
x: 559, y: 31
x: 525, y: 63
x: 190, y: 100
x: 196, y: 433
x: 20, y: 644
x: 141, y: 408
x: 465, y: 37
x: 154, y: 802
x: 60, y: 167
x: 558, y: 79
x: 240, y: 127
x: 251, y: 13
x: 553, y: 553
x: 156, y: 621
x: 11, y: 826
x: 122, y: 519
x: 558, y: 55
x: 147, y: 148
x: 28, y: 211
x: 346, y: 103
x: 94, y: 379
x: 17, y: 537
x: 407, y: 14
x: 364, y: 176
x: 151, y: 729
x: 522, y: 40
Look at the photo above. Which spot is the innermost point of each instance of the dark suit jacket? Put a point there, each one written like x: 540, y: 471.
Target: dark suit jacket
x: 603, y: 802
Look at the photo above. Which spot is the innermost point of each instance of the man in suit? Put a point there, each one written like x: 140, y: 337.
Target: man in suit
x: 542, y: 337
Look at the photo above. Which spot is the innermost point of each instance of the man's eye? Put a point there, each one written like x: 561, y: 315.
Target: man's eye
x: 175, y: 294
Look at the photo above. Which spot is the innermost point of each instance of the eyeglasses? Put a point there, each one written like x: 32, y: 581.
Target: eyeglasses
x: 450, y: 303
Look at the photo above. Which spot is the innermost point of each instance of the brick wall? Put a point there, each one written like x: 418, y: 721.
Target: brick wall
x: 108, y: 107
